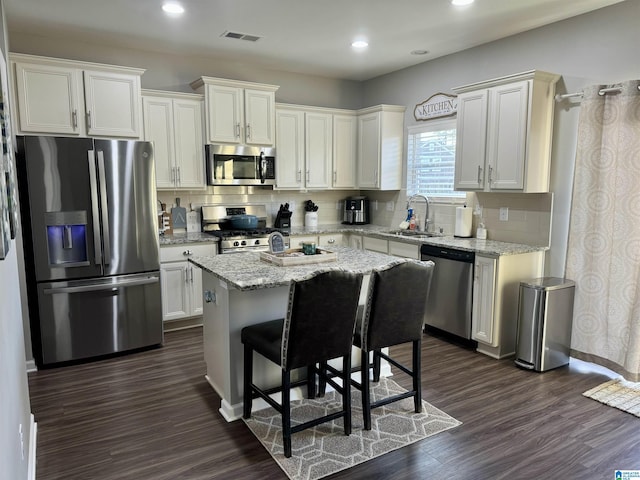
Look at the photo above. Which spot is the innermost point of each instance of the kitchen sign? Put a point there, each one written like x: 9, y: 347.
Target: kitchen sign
x: 436, y: 106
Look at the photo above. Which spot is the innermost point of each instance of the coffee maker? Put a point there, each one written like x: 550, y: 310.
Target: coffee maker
x: 356, y: 210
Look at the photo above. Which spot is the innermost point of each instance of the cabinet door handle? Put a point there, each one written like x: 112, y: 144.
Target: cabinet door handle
x: 178, y: 181
x: 335, y: 176
x: 238, y: 130
x: 479, y: 175
x: 248, y: 131
x: 89, y: 119
x: 74, y: 119
x: 490, y: 175
x: 299, y: 176
x: 307, y: 176
x: 173, y: 174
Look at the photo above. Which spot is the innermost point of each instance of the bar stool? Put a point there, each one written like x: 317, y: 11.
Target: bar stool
x: 393, y: 314
x: 318, y: 326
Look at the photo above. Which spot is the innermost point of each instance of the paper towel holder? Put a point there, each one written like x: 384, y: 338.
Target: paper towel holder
x: 464, y: 222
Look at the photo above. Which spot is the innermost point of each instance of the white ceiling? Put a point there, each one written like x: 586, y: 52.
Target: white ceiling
x: 302, y: 36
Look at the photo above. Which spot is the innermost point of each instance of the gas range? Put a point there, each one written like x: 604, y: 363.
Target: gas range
x: 216, y: 221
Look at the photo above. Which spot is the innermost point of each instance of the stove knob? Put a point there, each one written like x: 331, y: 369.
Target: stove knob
x: 243, y: 242
x: 236, y: 244
x: 257, y: 242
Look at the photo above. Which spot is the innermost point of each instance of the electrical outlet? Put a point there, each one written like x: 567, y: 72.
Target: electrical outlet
x: 504, y: 214
x: 390, y: 206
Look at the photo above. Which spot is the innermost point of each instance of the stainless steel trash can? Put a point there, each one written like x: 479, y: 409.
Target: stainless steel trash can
x: 544, y: 323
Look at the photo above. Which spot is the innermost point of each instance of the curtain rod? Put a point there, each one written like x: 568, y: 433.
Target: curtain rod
x: 602, y: 91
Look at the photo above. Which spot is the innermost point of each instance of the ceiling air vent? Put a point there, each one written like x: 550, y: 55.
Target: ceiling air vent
x: 241, y: 36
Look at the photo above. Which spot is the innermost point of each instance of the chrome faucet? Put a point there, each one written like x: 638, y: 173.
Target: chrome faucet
x: 426, y: 213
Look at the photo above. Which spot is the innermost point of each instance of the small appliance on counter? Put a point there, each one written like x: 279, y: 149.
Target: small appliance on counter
x: 356, y: 210
x: 283, y: 218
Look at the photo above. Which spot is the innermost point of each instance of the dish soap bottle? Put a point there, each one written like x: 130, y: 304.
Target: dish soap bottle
x: 413, y: 222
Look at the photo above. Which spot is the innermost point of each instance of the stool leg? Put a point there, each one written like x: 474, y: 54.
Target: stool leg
x: 364, y: 380
x: 376, y: 365
x: 286, y: 412
x: 417, y: 384
x: 322, y: 381
x: 311, y: 381
x: 248, y: 373
x: 346, y: 393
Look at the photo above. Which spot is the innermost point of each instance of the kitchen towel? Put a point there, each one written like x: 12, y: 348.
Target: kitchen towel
x: 464, y: 220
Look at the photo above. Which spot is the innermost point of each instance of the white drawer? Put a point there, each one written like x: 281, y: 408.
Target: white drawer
x: 177, y: 253
x: 401, y: 249
x: 375, y: 244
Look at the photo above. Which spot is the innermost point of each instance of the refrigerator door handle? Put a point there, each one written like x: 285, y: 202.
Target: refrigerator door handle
x: 97, y: 247
x: 105, y: 208
x: 101, y: 286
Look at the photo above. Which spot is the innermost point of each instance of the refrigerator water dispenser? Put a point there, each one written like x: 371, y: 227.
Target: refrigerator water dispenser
x: 67, y: 238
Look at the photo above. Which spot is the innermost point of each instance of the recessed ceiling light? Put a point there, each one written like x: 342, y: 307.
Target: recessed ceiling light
x: 173, y: 8
x: 419, y: 52
x: 461, y: 3
x: 359, y: 44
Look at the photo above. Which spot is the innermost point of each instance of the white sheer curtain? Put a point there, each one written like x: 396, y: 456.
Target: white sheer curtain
x: 603, y: 254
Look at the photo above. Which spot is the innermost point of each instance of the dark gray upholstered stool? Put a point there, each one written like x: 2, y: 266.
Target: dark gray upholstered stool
x: 319, y: 326
x: 393, y: 314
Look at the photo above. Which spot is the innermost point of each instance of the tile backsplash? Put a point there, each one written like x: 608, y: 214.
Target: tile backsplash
x: 529, y: 215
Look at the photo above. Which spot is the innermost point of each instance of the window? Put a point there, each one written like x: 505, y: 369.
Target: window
x: 431, y: 158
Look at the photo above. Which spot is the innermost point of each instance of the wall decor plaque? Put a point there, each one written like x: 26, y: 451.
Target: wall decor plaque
x: 436, y: 106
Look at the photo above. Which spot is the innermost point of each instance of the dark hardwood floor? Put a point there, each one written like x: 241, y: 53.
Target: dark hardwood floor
x: 152, y: 416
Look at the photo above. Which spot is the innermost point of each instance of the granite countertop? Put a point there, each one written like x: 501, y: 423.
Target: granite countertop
x: 246, y: 271
x: 484, y: 247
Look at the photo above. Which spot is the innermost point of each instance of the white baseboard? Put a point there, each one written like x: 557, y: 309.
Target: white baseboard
x: 32, y: 448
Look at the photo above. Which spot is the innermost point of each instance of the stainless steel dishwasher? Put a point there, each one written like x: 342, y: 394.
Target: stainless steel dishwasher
x: 450, y: 298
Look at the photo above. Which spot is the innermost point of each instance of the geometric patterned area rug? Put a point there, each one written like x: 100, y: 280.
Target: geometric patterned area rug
x: 618, y: 393
x: 325, y: 449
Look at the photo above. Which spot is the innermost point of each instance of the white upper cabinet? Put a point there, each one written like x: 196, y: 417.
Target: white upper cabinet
x: 315, y: 148
x: 290, y: 163
x: 173, y: 121
x: 318, y: 149
x: 504, y: 131
x: 380, y: 147
x: 345, y: 142
x: 238, y: 112
x: 65, y: 97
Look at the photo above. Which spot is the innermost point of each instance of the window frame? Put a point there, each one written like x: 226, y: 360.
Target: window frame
x: 435, y: 125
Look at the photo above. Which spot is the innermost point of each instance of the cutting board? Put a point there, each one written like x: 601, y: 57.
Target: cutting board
x: 179, y: 217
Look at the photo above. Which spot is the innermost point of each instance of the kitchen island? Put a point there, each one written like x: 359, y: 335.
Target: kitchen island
x: 241, y: 289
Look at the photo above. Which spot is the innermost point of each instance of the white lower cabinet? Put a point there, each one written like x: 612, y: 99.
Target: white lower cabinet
x: 375, y: 244
x: 405, y: 250
x: 181, y: 281
x: 323, y: 240
x: 496, y: 287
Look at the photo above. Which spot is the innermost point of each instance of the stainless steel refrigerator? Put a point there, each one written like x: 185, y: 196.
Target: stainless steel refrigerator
x: 90, y: 232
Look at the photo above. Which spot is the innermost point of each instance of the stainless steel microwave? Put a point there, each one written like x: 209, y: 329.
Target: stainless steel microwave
x: 240, y: 165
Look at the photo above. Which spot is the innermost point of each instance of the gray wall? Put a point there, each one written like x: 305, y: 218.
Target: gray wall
x: 15, y: 408
x: 176, y: 72
x: 598, y: 47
